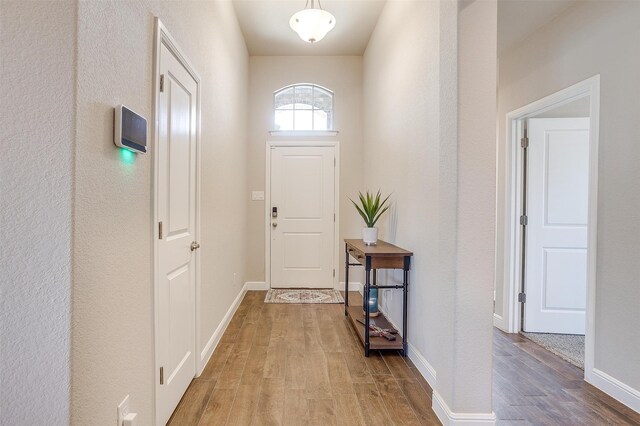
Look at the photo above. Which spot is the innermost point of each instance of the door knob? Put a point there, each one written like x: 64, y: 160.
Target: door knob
x: 194, y: 246
x: 274, y: 224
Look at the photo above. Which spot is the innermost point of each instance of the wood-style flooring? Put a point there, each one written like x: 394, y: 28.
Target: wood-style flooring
x: 282, y: 364
x: 533, y: 386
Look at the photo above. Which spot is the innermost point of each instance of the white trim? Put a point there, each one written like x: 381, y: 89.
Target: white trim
x: 513, y: 185
x: 256, y: 285
x: 162, y: 36
x: 500, y: 323
x: 388, y: 317
x: 594, y: 136
x: 618, y: 390
x: 304, y: 133
x: 424, y: 367
x: 448, y: 417
x: 267, y: 202
x: 353, y: 286
x: 211, y: 345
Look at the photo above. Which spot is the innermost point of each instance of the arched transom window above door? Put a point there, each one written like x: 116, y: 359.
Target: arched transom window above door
x: 303, y: 107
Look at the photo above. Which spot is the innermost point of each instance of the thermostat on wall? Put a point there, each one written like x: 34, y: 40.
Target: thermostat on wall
x: 130, y: 130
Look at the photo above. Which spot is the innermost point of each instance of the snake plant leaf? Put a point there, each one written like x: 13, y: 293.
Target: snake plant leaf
x: 370, y: 207
x: 362, y: 213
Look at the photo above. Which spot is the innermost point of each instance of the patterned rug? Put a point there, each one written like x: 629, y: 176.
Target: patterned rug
x: 569, y: 347
x: 303, y: 296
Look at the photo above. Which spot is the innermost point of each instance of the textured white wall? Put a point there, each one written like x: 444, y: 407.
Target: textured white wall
x: 477, y: 68
x: 37, y: 95
x: 429, y: 138
x: 593, y: 38
x: 343, y: 75
x: 113, y: 294
x: 401, y: 154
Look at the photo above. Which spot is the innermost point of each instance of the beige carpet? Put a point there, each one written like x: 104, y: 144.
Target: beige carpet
x: 569, y: 347
x: 303, y: 296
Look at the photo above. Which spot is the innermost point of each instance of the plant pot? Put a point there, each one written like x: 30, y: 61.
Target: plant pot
x: 370, y: 236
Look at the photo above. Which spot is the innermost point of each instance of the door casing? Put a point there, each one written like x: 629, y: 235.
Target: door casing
x: 163, y: 37
x: 513, y: 201
x: 267, y: 202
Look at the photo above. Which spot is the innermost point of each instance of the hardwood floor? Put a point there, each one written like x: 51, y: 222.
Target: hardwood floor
x: 303, y: 365
x: 533, y: 386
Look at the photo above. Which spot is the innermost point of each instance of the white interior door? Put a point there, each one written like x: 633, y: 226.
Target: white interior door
x: 177, y: 204
x: 556, y: 243
x: 302, y: 234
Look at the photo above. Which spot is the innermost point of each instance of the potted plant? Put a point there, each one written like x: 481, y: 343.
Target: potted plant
x: 370, y: 208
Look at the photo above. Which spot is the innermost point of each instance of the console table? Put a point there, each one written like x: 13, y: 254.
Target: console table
x: 381, y: 256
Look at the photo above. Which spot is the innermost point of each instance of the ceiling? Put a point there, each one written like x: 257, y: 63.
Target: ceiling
x: 519, y: 18
x: 265, y: 25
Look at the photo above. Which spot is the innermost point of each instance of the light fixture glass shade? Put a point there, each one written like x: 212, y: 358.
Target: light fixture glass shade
x: 312, y: 24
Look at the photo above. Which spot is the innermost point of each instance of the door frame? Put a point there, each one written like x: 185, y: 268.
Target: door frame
x: 513, y: 202
x: 162, y: 36
x: 267, y: 202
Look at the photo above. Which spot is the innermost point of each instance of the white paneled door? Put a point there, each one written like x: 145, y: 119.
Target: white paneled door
x: 302, y: 216
x: 556, y: 241
x: 176, y: 203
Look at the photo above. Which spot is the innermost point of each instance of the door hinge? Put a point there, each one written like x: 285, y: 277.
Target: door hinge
x: 162, y: 375
x: 160, y: 230
x: 161, y: 83
x: 524, y: 220
x: 334, y: 217
x: 524, y: 142
x: 522, y: 298
x: 334, y: 161
x: 334, y: 273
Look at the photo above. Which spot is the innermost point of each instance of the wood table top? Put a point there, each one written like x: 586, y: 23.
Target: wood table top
x: 381, y: 249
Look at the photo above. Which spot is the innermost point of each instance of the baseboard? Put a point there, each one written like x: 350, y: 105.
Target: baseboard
x: 499, y: 322
x: 211, y: 345
x: 353, y: 286
x: 448, y: 417
x: 256, y: 285
x: 424, y: 367
x: 616, y: 389
x: 384, y: 312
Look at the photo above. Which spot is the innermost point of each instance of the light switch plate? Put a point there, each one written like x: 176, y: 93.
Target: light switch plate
x: 257, y: 195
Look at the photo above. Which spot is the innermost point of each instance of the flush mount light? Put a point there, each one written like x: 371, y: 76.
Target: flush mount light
x: 312, y: 23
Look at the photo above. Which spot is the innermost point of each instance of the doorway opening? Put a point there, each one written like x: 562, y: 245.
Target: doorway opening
x: 550, y: 220
x: 301, y: 211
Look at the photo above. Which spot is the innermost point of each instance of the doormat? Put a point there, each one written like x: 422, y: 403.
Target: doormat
x: 569, y: 347
x: 303, y: 296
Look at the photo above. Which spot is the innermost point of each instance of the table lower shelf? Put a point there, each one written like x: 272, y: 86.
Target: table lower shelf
x: 377, y: 343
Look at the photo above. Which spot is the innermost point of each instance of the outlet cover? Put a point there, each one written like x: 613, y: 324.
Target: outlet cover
x: 257, y: 195
x: 123, y: 410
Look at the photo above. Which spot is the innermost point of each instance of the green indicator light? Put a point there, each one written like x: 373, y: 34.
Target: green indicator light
x: 127, y: 156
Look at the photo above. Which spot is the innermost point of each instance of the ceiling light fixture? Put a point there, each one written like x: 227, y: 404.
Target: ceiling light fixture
x: 312, y: 23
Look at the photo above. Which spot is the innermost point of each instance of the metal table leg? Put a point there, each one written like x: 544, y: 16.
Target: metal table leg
x: 367, y: 283
x: 346, y: 278
x: 405, y: 284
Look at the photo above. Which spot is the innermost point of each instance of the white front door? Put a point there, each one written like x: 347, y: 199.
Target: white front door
x: 556, y: 240
x: 302, y: 220
x: 176, y: 204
